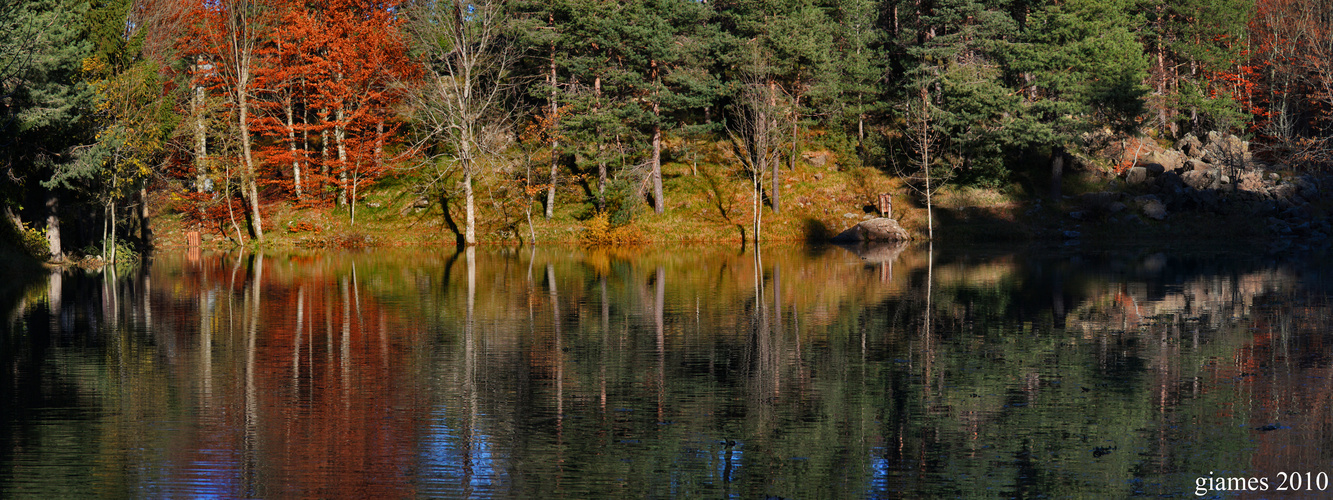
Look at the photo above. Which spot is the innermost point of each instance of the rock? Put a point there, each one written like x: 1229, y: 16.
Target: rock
x: 1190, y: 145
x: 1169, y: 160
x: 1306, y: 187
x: 877, y: 229
x: 421, y: 202
x: 1076, y: 215
x: 1278, y: 226
x: 1115, y: 207
x: 1100, y: 199
x: 1170, y: 181
x: 1197, y: 179
x: 1154, y: 169
x: 1209, y: 156
x: 1136, y: 175
x: 1226, y: 149
x: 1072, y: 234
x: 1151, y: 206
x: 1197, y: 165
x: 816, y: 158
x: 1287, y: 194
x: 819, y: 176
x: 1251, y: 181
x: 849, y: 215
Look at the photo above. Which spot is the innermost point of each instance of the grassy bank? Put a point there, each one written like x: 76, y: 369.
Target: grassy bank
x: 711, y: 202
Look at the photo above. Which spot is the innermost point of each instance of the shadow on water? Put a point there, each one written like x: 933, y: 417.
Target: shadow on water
x: 791, y: 371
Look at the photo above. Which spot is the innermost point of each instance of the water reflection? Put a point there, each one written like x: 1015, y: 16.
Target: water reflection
x: 558, y: 372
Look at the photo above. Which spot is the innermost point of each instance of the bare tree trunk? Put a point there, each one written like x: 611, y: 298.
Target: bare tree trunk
x: 775, y: 196
x: 339, y: 138
x: 200, y: 135
x: 291, y: 141
x: 379, y: 145
x: 555, y: 143
x: 53, y: 224
x: 111, y: 235
x: 145, y: 232
x: 324, y: 149
x: 925, y: 161
x: 470, y: 232
x: 659, y: 205
x: 251, y: 184
x: 601, y: 149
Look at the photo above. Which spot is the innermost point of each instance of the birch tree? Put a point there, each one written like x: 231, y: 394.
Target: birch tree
x: 466, y: 59
x: 231, y: 32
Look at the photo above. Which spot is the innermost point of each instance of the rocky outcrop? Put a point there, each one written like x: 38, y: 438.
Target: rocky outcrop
x: 877, y: 229
x: 1217, y: 174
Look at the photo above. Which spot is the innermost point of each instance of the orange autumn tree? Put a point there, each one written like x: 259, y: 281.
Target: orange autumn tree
x: 341, y: 65
x: 311, y: 89
x: 369, y: 61
x: 227, y: 36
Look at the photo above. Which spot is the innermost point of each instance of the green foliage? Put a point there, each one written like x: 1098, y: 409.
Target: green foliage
x: 33, y: 241
x: 1086, y: 69
x: 1219, y: 112
x: 1204, y: 39
x: 623, y: 203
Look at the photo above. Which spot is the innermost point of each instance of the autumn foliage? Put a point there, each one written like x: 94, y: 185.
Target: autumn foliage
x: 317, y: 92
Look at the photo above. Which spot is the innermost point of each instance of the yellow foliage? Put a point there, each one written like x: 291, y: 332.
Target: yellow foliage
x: 598, y: 232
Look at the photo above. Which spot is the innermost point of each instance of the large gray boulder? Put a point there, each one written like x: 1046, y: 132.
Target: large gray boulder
x: 1136, y: 175
x: 877, y: 229
x: 1202, y: 179
x: 1169, y: 159
x: 1191, y: 146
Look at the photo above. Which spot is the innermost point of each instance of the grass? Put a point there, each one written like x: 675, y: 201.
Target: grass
x: 705, y: 202
x: 711, y: 201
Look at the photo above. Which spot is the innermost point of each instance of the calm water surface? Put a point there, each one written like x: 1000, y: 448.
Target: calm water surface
x: 793, y: 372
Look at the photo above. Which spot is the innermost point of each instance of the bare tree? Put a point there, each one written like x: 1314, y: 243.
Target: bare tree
x: 755, y: 138
x: 467, y: 60
x: 922, y: 174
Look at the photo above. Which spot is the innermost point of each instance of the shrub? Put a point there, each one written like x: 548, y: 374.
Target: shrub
x: 598, y: 232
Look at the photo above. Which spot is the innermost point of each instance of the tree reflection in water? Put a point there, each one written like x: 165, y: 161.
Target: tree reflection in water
x: 559, y: 372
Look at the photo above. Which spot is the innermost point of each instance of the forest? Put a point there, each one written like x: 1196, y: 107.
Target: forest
x: 114, y: 111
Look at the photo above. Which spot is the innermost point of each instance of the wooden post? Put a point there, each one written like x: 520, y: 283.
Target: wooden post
x: 192, y: 243
x: 885, y: 205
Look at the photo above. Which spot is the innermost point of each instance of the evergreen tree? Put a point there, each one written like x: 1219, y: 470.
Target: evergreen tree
x: 785, y: 45
x: 860, y: 64
x: 1077, y: 64
x: 45, y: 102
x: 1199, y: 47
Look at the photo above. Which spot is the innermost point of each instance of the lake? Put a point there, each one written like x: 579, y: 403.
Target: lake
x: 560, y: 372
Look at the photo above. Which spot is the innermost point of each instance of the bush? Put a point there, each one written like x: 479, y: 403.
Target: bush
x: 34, y: 242
x: 598, y: 232
x: 622, y: 203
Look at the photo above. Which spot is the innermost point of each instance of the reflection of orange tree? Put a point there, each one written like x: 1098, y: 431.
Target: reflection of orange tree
x: 304, y: 371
